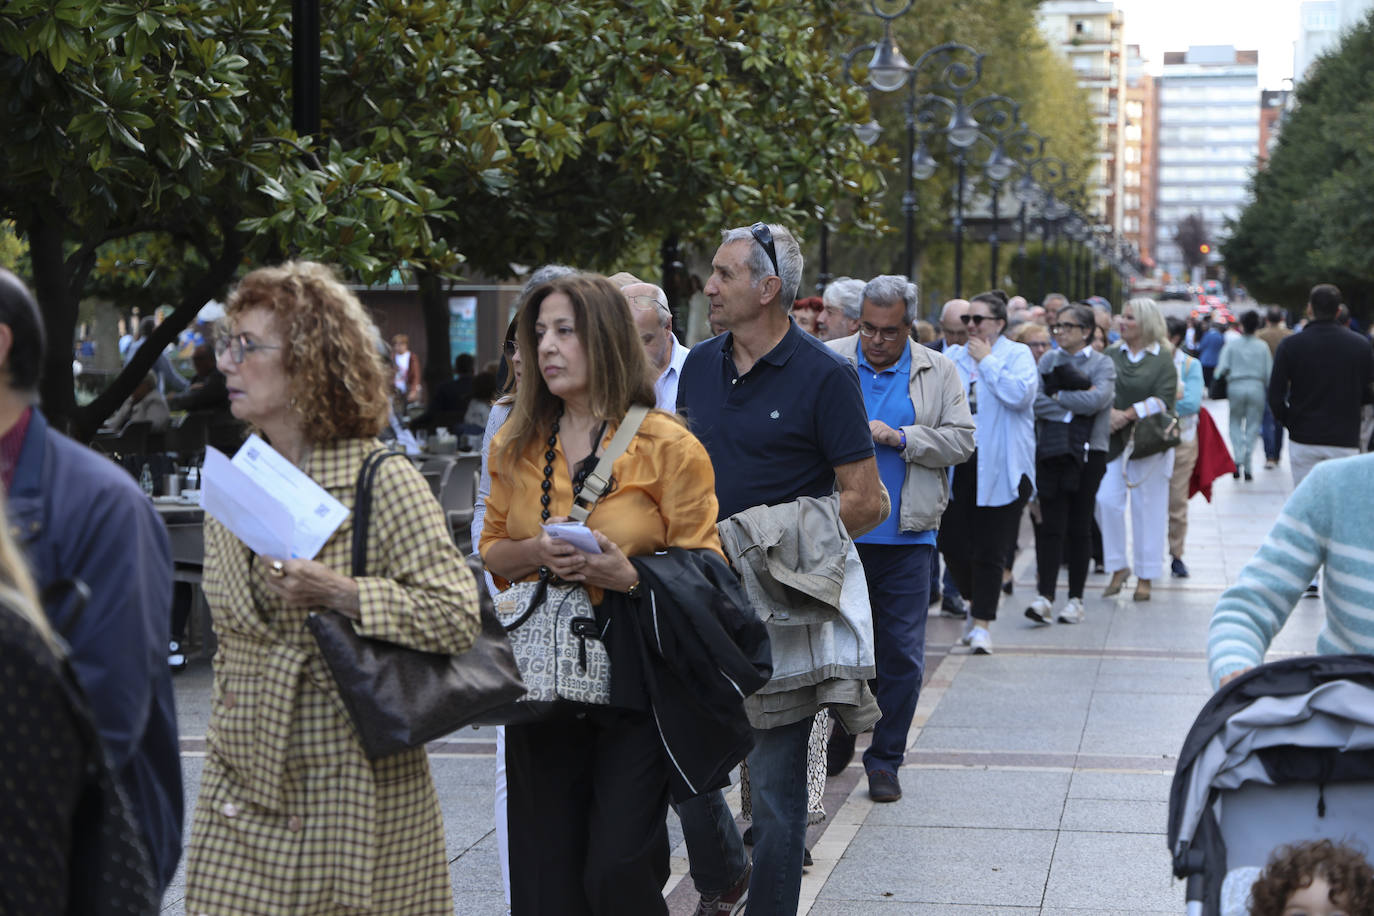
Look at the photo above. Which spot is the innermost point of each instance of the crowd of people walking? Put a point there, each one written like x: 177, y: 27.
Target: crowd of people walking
x: 782, y: 493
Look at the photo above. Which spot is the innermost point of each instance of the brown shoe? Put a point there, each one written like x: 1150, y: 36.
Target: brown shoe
x: 1118, y: 582
x: 1142, y: 590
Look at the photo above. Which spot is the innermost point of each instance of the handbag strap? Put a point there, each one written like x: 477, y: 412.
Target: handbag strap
x: 594, y: 487
x: 362, y: 506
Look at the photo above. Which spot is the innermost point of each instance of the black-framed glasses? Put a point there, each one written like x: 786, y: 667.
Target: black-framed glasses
x: 1065, y: 325
x: 764, y: 236
x: 239, y: 346
x: 868, y: 330
x: 976, y: 320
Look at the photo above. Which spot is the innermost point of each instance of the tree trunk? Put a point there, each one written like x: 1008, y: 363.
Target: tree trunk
x: 434, y: 309
x: 217, y: 275
x: 57, y: 301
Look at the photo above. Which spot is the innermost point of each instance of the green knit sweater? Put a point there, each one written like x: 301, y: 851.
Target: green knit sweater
x: 1153, y: 376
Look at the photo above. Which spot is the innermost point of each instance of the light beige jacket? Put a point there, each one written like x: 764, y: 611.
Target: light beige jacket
x: 941, y: 436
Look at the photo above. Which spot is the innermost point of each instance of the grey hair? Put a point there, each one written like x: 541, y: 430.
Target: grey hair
x: 541, y: 275
x: 789, y: 260
x: 665, y: 314
x: 1063, y: 299
x: 846, y: 294
x: 1081, y: 314
x: 890, y: 289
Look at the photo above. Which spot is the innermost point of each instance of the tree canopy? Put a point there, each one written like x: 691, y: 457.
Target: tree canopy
x: 150, y: 145
x: 1313, y: 207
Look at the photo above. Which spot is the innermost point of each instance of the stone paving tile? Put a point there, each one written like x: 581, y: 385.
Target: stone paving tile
x: 1155, y: 675
x: 1014, y: 799
x: 1121, y: 786
x: 1116, y: 816
x: 897, y: 908
x: 1000, y: 739
x: 1133, y: 723
x: 1090, y: 868
x: 995, y: 868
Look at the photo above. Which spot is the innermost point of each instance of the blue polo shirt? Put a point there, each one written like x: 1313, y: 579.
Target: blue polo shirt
x: 777, y: 432
x: 887, y: 397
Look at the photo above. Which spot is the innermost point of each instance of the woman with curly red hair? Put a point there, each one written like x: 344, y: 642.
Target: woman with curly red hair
x: 1319, y: 878
x: 292, y: 816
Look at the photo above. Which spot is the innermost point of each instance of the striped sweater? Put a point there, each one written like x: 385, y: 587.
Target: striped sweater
x: 1328, y: 521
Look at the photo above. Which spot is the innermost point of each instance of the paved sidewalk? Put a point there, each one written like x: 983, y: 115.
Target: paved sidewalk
x: 1037, y: 779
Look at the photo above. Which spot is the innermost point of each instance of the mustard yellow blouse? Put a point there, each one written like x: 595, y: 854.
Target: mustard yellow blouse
x: 664, y: 493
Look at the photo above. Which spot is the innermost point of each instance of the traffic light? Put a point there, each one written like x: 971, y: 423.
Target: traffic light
x: 1204, y: 248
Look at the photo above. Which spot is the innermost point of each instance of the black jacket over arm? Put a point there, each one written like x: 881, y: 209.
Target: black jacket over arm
x: 700, y: 650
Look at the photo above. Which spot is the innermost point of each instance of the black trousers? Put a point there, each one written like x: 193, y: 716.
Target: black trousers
x: 1066, y: 521
x: 587, y: 798
x: 974, y: 539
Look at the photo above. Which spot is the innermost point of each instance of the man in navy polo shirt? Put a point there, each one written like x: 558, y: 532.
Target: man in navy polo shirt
x: 782, y: 417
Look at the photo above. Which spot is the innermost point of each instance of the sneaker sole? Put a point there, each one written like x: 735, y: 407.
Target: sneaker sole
x: 981, y: 650
x: 1033, y: 615
x: 1070, y: 620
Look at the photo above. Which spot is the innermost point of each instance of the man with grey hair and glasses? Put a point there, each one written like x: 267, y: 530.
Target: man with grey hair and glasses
x: 783, y: 420
x: 654, y: 325
x: 921, y: 425
x: 842, y: 300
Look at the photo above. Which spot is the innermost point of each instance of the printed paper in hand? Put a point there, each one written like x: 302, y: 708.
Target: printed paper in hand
x: 269, y: 503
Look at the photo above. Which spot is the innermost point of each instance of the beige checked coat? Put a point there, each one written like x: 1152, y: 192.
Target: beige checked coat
x: 292, y: 818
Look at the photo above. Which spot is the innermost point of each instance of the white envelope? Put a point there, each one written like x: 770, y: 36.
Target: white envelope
x: 266, y: 500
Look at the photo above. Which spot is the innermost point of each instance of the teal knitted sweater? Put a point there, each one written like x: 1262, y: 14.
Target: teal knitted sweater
x: 1328, y: 521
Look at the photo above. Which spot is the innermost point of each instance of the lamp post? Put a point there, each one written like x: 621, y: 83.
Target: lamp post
x: 955, y: 67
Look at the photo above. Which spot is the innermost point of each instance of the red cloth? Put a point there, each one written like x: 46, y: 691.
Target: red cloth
x: 1213, y: 457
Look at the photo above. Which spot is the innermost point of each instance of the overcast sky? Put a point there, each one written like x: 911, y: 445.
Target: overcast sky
x: 1271, y: 26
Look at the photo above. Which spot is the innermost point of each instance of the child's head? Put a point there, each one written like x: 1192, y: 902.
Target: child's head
x: 1318, y: 878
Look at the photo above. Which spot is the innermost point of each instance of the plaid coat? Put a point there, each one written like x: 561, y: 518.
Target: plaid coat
x: 291, y: 816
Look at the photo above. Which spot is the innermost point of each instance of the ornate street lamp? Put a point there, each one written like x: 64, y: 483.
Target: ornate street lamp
x: 954, y: 69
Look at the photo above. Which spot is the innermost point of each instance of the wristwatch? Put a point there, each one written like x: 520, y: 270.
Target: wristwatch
x: 901, y: 434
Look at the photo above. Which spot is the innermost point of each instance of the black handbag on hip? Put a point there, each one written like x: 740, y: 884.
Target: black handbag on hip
x: 398, y: 697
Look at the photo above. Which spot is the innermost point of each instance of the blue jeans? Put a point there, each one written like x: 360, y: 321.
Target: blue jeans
x: 715, y: 850
x: 897, y: 583
x: 1272, y: 434
x: 777, y: 786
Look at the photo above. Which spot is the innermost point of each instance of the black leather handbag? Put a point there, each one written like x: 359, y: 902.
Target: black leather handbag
x: 399, y: 697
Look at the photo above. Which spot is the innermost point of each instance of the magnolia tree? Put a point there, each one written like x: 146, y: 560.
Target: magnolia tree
x: 453, y: 136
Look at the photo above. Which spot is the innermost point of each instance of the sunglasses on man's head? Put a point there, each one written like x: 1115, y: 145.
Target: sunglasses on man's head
x: 764, y: 236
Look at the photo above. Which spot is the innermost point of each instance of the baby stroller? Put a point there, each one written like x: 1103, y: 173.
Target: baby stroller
x: 1282, y: 754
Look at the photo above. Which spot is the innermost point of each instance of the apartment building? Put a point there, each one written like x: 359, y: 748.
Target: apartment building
x: 1208, y: 142
x: 1089, y: 34
x: 1138, y: 158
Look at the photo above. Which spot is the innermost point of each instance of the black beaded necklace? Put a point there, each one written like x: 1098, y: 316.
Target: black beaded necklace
x: 579, y: 478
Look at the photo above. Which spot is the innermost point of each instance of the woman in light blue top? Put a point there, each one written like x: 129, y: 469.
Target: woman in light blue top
x: 1328, y: 523
x: 1000, y: 381
x: 1245, y: 363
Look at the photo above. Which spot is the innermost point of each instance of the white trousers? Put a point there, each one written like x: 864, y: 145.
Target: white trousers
x: 1303, y: 458
x: 1149, y: 500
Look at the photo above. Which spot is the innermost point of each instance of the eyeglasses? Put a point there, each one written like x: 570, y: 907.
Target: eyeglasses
x: 976, y: 320
x: 512, y: 347
x: 1063, y: 326
x: 239, y: 346
x: 764, y: 236
x: 643, y: 302
x: 868, y: 330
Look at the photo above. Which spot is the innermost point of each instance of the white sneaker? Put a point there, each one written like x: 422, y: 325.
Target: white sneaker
x: 980, y: 641
x: 1072, y: 611
x: 1040, y: 610
x: 968, y: 630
